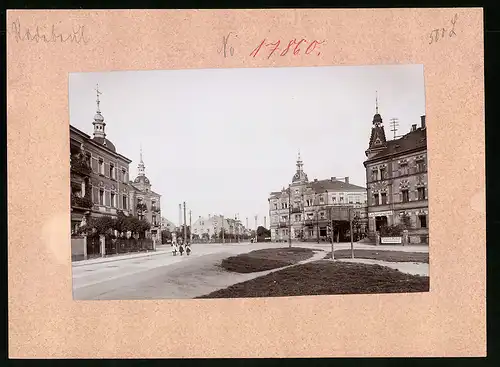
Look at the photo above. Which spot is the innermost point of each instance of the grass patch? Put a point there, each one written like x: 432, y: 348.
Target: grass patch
x: 326, y: 278
x: 266, y: 259
x: 391, y: 256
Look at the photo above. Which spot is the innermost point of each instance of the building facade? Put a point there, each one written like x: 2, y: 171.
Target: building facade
x: 145, y: 203
x: 207, y: 227
x: 305, y: 209
x: 167, y: 225
x: 100, y: 183
x: 396, y: 179
x: 99, y: 175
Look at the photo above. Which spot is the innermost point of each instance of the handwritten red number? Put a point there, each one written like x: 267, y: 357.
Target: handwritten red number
x: 276, y: 45
x: 256, y: 51
x: 312, y: 46
x: 285, y: 51
x: 296, y: 50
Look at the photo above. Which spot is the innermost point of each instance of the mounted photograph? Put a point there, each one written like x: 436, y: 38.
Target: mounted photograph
x: 253, y: 182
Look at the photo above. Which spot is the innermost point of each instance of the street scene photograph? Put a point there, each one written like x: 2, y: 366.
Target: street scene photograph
x: 253, y: 182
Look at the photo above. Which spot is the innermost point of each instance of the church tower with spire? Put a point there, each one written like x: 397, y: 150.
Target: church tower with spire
x: 300, y: 176
x: 378, y: 142
x: 141, y: 181
x: 99, y: 124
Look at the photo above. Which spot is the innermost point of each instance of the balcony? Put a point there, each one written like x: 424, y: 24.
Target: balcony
x: 80, y: 165
x: 81, y: 202
x: 283, y: 224
x: 309, y: 222
x: 155, y: 209
x: 295, y: 209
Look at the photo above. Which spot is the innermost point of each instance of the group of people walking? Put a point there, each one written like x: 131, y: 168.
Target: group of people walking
x: 180, y: 246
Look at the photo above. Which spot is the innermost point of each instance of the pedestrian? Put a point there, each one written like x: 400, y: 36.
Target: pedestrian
x: 188, y: 248
x: 181, y: 248
x: 174, y: 248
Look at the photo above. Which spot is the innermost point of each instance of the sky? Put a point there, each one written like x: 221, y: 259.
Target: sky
x: 222, y: 139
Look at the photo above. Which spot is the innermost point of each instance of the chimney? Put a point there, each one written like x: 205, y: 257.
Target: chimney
x: 346, y: 179
x: 413, y: 127
x: 422, y: 121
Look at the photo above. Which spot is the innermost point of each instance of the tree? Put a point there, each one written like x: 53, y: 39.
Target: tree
x: 263, y: 232
x: 205, y: 236
x: 166, y: 236
x: 406, y: 220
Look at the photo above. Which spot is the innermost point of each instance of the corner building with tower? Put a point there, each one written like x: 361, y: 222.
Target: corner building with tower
x: 304, y: 210
x: 100, y: 184
x: 396, y: 180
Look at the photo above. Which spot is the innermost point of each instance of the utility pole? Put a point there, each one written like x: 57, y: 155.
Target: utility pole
x: 331, y: 232
x: 265, y: 222
x: 185, y: 228
x: 190, y: 229
x: 350, y: 230
x: 180, y: 215
x: 223, y: 228
x: 394, y: 124
x: 289, y: 217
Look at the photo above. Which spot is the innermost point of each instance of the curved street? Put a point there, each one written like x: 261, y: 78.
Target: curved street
x: 161, y: 275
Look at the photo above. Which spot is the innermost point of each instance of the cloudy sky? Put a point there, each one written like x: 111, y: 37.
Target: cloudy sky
x: 223, y: 139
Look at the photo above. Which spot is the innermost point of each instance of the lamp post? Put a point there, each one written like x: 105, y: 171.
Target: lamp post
x: 331, y: 233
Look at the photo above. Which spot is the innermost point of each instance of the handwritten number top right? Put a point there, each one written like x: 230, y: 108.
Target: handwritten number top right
x: 440, y: 33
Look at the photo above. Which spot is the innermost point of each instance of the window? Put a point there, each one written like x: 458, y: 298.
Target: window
x: 284, y: 218
x: 420, y: 165
x: 101, y: 166
x: 297, y: 217
x: 275, y: 206
x: 404, y: 168
x: 113, y: 199
x: 322, y: 215
x: 383, y: 197
x: 423, y: 221
x: 308, y: 202
x: 421, y: 193
x: 358, y: 199
x: 350, y: 200
x: 112, y: 170
x: 101, y: 197
x: 405, y: 196
x: 374, y: 175
x: 321, y: 199
x: 334, y: 199
x: 341, y: 199
x: 311, y: 233
x: 375, y: 199
x: 153, y: 219
x: 124, y: 175
x: 296, y: 191
x: 383, y: 173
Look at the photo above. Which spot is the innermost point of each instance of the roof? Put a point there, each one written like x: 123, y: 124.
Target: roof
x: 143, y: 179
x: 320, y: 186
x: 105, y: 142
x: 333, y: 185
x: 414, y: 140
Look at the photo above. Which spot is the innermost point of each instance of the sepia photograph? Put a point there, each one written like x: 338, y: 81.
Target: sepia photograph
x: 248, y: 182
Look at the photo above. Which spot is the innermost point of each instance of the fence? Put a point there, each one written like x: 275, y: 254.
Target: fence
x: 124, y: 245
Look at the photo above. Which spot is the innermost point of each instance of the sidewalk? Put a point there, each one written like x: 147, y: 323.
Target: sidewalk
x: 161, y: 249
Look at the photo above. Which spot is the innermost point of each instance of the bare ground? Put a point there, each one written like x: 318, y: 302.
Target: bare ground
x: 266, y: 259
x: 326, y: 278
x: 391, y: 256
